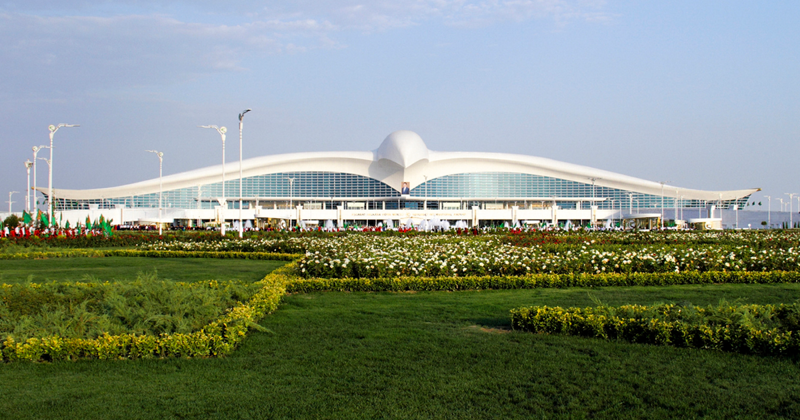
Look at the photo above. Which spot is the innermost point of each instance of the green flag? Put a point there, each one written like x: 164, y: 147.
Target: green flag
x: 107, y: 228
x: 67, y: 225
x: 26, y: 218
x: 45, y: 220
x: 88, y: 223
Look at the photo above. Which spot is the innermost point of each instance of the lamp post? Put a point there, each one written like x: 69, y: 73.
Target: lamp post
x: 28, y: 165
x: 781, y: 200
x: 591, y: 206
x: 53, y: 129
x: 9, y: 200
x: 291, y: 194
x: 49, y: 165
x: 160, y: 183
x: 425, y: 203
x: 223, y: 204
x: 662, y: 202
x: 36, y: 150
x: 630, y: 209
x: 791, y: 208
x: 769, y: 211
x: 241, y: 116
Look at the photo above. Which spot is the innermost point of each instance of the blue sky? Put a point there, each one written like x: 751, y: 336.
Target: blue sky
x: 703, y: 94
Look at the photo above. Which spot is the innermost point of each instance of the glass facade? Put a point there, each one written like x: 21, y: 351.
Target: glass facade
x: 316, y: 185
x: 497, y: 186
x: 323, y: 187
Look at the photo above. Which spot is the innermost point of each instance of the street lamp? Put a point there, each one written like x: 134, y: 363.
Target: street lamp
x: 662, y: 202
x: 291, y: 194
x: 9, y: 200
x: 591, y: 209
x: 241, y: 116
x: 49, y: 165
x: 425, y: 203
x: 160, y: 183
x: 36, y: 150
x: 28, y: 165
x: 791, y: 208
x: 223, y: 204
x: 53, y: 129
x: 769, y: 211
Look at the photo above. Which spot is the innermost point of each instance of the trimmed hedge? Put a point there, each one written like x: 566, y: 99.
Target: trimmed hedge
x: 57, y: 254
x: 203, y: 254
x: 152, y: 254
x: 216, y: 339
x: 751, y: 329
x: 539, y: 280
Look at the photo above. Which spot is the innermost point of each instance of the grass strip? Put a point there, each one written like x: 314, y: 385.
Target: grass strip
x: 766, y: 330
x: 539, y: 281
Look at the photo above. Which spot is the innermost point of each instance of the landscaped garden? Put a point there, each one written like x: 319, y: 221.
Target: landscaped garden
x: 506, y: 324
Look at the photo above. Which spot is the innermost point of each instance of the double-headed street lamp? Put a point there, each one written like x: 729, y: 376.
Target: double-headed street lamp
x: 9, y: 200
x: 662, y: 202
x: 36, y: 150
x: 223, y: 204
x: 769, y: 211
x: 291, y: 193
x: 241, y: 116
x: 160, y: 183
x: 791, y: 208
x: 28, y: 165
x: 53, y: 129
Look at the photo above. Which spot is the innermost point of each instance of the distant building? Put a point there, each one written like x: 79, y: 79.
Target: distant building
x: 476, y: 187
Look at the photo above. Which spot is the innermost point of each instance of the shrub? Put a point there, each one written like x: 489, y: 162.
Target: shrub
x: 750, y: 329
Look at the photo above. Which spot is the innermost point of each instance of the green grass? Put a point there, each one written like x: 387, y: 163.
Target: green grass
x: 127, y: 268
x: 426, y: 355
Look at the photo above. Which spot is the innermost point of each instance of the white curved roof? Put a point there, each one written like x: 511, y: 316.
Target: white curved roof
x: 402, y: 156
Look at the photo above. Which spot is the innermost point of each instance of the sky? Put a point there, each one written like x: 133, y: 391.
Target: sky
x: 702, y: 94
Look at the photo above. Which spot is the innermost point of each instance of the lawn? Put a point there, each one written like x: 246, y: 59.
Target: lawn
x: 127, y: 268
x: 423, y: 355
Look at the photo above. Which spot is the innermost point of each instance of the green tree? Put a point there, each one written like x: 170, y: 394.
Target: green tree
x: 11, y: 221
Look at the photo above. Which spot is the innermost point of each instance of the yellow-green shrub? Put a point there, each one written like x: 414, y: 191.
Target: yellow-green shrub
x: 218, y: 338
x: 750, y: 329
x: 539, y: 280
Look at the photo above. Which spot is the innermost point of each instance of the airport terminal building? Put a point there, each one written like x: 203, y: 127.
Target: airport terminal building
x: 401, y: 180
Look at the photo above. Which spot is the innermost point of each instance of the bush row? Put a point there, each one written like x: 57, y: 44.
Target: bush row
x: 203, y: 254
x: 539, y: 280
x: 53, y: 254
x: 750, y: 329
x: 152, y: 254
x: 218, y: 338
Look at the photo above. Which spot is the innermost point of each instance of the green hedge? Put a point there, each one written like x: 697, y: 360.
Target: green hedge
x: 203, y: 254
x: 152, y: 254
x: 218, y: 338
x: 750, y: 329
x: 539, y: 280
x: 57, y: 254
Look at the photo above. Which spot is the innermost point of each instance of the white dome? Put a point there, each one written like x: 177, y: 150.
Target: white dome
x: 403, y: 147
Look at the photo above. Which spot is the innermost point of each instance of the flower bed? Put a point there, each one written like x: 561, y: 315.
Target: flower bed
x: 751, y: 329
x: 375, y: 257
